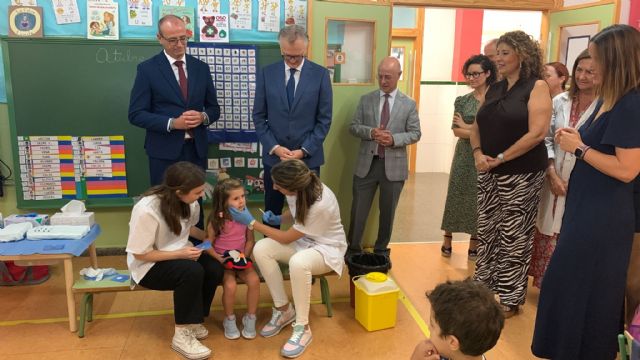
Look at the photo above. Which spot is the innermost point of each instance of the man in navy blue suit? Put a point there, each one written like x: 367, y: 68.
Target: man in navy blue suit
x: 174, y: 100
x: 292, y: 110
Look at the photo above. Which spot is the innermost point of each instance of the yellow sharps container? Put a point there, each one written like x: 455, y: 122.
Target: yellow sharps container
x: 376, y: 301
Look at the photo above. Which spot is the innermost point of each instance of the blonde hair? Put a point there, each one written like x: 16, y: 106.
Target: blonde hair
x: 295, y: 176
x: 617, y: 52
x: 528, y: 50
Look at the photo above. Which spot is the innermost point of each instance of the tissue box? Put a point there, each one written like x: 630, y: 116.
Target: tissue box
x: 35, y: 219
x: 86, y: 218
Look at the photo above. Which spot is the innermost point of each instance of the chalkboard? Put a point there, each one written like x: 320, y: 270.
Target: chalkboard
x: 81, y: 88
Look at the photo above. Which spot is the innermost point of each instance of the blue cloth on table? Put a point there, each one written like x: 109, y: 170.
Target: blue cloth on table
x: 58, y: 246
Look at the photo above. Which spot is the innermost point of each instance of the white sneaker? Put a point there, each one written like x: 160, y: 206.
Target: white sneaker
x: 279, y: 319
x: 231, y: 331
x: 186, y: 344
x: 199, y: 331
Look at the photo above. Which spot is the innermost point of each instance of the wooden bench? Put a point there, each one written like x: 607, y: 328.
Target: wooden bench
x: 88, y: 288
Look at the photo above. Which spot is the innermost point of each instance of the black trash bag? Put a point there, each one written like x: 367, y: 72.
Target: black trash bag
x: 364, y: 263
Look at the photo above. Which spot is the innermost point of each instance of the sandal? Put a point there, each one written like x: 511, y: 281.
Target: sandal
x: 509, y: 310
x: 446, y: 251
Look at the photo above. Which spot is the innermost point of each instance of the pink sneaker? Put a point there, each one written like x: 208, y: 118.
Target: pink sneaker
x: 297, y: 343
x: 279, y: 319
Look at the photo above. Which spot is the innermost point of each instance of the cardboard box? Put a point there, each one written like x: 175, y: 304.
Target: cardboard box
x: 35, y: 219
x: 86, y: 218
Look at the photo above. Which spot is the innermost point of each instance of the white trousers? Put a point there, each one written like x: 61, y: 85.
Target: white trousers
x: 302, y: 265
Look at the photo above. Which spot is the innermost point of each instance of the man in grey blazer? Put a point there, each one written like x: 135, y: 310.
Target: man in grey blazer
x: 386, y: 121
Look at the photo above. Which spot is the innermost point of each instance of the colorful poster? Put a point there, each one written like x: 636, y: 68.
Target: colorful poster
x: 295, y: 12
x: 139, y: 13
x: 102, y: 20
x: 240, y: 14
x: 185, y: 13
x: 269, y: 19
x: 173, y: 3
x: 24, y: 2
x: 208, y: 6
x: 66, y: 11
x: 214, y: 27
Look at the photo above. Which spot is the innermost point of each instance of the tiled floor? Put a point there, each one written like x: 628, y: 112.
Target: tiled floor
x: 138, y: 325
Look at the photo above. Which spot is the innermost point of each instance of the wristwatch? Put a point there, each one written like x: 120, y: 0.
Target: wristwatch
x: 580, y: 151
x: 501, y: 157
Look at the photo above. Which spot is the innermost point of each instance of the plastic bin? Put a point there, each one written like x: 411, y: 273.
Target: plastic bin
x: 362, y: 264
x: 376, y: 301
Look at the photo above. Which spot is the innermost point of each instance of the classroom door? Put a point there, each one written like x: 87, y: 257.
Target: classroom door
x: 350, y: 39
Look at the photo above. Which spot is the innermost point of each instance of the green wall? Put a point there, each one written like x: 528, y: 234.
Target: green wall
x: 603, y: 13
x: 340, y: 147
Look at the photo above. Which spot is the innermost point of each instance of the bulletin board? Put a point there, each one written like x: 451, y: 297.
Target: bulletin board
x: 97, y: 77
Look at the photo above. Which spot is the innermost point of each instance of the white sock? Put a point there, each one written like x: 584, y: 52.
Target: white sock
x: 231, y: 317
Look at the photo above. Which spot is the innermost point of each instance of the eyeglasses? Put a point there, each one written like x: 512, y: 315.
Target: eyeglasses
x: 473, y: 75
x: 174, y: 41
x: 292, y: 57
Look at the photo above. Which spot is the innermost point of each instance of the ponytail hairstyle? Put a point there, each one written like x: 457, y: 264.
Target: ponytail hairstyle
x: 295, y: 176
x: 179, y: 178
x: 219, y: 210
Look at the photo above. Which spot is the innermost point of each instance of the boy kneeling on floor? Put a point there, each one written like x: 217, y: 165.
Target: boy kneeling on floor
x: 465, y: 322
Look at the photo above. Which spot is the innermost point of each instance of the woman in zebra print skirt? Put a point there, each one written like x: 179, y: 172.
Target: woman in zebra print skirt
x: 509, y: 153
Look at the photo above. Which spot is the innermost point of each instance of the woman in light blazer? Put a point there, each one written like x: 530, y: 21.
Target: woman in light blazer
x: 570, y: 109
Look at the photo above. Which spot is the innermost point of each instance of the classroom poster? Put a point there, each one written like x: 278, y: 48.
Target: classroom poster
x: 66, y: 11
x: 25, y: 21
x: 102, y: 20
x: 183, y: 12
x: 295, y: 12
x: 208, y: 6
x: 172, y: 3
x: 24, y: 2
x: 139, y: 12
x: 240, y: 14
x: 269, y: 15
x: 214, y: 27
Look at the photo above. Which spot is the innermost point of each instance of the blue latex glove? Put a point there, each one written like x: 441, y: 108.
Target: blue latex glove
x: 244, y: 217
x: 270, y: 218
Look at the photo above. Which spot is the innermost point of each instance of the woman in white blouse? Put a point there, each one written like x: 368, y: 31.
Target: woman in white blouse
x: 161, y: 257
x: 314, y: 244
x: 570, y: 109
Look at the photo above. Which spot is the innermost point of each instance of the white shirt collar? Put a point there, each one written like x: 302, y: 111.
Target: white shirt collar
x: 172, y: 60
x: 392, y: 95
x: 299, y: 68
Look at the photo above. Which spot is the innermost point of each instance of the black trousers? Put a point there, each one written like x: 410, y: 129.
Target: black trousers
x: 193, y: 283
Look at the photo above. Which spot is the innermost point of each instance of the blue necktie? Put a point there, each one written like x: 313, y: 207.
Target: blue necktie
x: 291, y: 86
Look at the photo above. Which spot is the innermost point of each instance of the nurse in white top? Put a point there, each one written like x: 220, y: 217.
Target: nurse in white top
x: 314, y: 244
x: 161, y: 257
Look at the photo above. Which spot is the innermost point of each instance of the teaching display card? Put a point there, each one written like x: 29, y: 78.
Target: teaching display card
x: 66, y: 11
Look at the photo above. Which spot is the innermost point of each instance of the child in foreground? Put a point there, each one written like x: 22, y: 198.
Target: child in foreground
x: 232, y: 245
x: 465, y: 322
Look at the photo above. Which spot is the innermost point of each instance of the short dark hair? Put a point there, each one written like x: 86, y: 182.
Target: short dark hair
x: 467, y: 310
x: 485, y: 63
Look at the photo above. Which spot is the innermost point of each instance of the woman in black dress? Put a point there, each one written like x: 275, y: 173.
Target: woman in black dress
x: 579, y: 312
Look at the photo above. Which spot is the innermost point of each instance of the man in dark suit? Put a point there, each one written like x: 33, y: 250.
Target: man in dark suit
x: 386, y: 121
x: 292, y: 110
x: 174, y: 100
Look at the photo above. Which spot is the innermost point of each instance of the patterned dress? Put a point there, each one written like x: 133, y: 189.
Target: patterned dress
x: 460, y: 212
